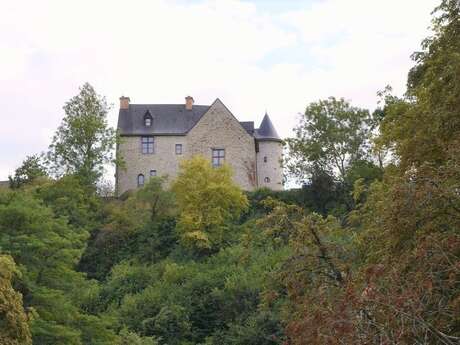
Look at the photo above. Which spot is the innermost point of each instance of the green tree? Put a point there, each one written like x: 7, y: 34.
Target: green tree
x: 83, y: 143
x: 159, y: 202
x: 330, y: 136
x: 14, y: 328
x: 207, y: 199
x: 47, y: 248
x: 420, y: 127
x: 400, y: 275
x: 31, y: 168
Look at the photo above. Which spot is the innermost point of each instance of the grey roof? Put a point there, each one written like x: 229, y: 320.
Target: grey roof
x: 248, y: 126
x: 167, y: 119
x: 174, y: 119
x: 266, y: 131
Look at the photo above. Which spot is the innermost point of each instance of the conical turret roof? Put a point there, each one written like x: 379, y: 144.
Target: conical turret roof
x: 266, y: 131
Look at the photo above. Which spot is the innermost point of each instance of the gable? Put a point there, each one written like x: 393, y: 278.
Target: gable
x: 218, y: 114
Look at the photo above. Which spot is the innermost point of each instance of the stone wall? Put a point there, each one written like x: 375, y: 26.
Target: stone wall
x: 272, y: 167
x: 219, y: 129
x: 164, y: 160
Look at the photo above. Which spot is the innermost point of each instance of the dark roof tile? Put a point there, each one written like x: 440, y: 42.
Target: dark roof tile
x: 167, y: 119
x: 266, y: 131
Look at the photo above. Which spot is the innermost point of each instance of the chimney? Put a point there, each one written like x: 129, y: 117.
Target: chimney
x: 124, y: 102
x: 189, y: 102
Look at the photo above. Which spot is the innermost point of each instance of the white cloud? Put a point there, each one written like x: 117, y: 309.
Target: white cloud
x: 160, y: 51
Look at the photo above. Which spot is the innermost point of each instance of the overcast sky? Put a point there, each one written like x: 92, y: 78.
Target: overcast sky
x: 274, y: 55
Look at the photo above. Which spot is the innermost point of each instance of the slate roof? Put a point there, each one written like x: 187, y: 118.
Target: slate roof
x: 174, y: 119
x: 167, y: 119
x: 248, y: 126
x: 266, y: 131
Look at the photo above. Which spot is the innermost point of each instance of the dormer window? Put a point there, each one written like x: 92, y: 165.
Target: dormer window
x: 148, y: 119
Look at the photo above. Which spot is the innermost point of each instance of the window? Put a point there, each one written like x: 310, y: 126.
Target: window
x: 148, y: 119
x: 140, y: 180
x: 218, y: 157
x: 178, y: 149
x: 153, y: 173
x: 147, y: 145
x: 267, y: 180
x: 265, y: 159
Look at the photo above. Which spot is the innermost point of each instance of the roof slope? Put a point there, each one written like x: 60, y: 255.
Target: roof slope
x: 266, y: 131
x: 167, y: 119
x: 174, y: 119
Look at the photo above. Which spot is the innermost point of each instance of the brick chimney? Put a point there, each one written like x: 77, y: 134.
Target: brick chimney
x: 124, y: 102
x: 189, y: 102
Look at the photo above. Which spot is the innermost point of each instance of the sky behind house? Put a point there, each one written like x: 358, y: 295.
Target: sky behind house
x: 254, y: 55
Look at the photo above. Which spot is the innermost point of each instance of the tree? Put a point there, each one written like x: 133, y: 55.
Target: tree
x: 421, y: 126
x: 145, y: 219
x: 330, y: 136
x: 207, y: 199
x: 47, y: 248
x: 152, y: 196
x: 31, y: 168
x: 83, y: 143
x: 14, y: 328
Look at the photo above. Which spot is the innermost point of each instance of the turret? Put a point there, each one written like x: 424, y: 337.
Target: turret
x: 269, y: 156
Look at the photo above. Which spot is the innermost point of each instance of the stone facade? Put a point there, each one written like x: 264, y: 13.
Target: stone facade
x: 163, y: 160
x: 219, y: 129
x: 269, y: 165
x: 255, y: 160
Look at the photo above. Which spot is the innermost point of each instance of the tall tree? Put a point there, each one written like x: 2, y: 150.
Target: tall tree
x: 207, y: 199
x: 83, y: 142
x: 422, y: 126
x: 330, y: 135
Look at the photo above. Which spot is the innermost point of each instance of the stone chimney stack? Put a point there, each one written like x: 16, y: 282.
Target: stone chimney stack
x: 124, y: 102
x: 189, y: 102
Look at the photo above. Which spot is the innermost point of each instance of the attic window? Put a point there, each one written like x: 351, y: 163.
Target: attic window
x: 148, y: 119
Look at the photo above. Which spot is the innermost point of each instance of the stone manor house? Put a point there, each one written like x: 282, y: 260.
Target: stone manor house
x: 155, y: 137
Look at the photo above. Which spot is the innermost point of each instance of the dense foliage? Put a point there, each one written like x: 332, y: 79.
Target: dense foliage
x: 83, y: 142
x: 366, y: 252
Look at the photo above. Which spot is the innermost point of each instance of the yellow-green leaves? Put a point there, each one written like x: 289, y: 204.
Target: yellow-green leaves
x: 207, y: 199
x: 14, y: 328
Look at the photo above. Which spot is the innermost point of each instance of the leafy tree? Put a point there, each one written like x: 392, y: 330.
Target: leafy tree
x: 399, y: 276
x: 152, y: 196
x: 69, y: 197
x: 14, y: 328
x: 421, y: 126
x: 47, y: 249
x: 31, y: 168
x: 130, y: 338
x: 83, y: 142
x: 207, y: 199
x: 331, y: 135
x: 142, y: 226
